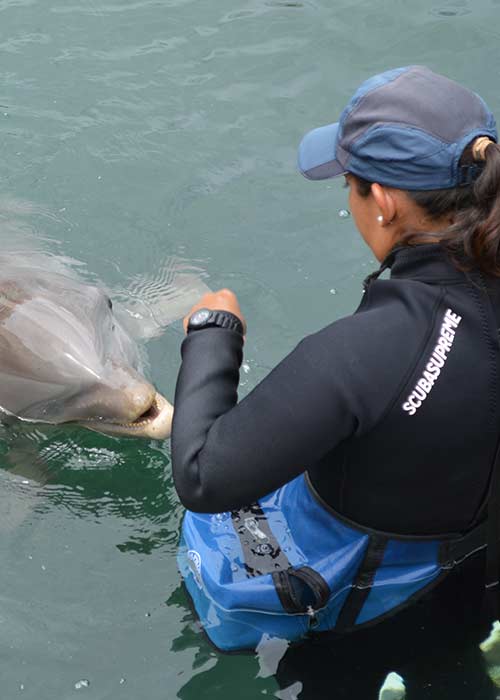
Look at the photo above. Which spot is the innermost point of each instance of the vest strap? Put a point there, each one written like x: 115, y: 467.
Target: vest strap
x: 453, y: 552
x: 492, y: 555
x: 362, y: 584
x: 486, y: 534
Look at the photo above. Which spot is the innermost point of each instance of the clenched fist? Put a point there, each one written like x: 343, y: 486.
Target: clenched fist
x: 222, y: 300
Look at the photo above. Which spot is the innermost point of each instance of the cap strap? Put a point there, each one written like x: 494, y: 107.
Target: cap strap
x: 467, y: 174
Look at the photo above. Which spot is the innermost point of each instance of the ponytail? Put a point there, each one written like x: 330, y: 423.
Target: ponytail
x: 481, y: 226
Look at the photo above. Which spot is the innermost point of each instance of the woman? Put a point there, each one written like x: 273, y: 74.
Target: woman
x: 393, y: 413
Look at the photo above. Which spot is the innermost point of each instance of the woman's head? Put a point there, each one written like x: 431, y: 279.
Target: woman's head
x: 409, y: 144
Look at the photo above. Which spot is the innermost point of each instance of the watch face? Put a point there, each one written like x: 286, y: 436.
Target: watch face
x: 199, y: 317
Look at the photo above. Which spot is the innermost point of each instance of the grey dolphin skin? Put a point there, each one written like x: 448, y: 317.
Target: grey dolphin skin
x: 68, y: 354
x: 64, y: 355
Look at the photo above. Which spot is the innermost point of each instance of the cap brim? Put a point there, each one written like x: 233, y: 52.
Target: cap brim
x: 316, y: 158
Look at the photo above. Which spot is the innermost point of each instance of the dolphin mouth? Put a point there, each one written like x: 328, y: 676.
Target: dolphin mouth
x: 155, y: 423
x: 149, y: 415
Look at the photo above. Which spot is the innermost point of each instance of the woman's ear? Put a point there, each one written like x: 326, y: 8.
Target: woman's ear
x: 385, y: 202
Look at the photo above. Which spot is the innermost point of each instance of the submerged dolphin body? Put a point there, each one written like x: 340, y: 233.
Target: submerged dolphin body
x: 66, y: 356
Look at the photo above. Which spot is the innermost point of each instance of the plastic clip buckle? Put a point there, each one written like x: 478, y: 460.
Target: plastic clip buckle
x: 468, y: 174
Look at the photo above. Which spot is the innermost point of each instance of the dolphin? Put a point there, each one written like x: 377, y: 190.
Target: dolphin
x: 65, y: 357
x: 68, y: 354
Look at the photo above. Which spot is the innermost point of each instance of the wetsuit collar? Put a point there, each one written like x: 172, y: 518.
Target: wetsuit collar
x: 427, y: 263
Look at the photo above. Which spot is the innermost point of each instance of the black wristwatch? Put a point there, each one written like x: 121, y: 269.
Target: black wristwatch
x: 209, y: 318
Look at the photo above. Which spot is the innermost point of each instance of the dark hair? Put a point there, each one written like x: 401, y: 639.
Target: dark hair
x: 473, y: 240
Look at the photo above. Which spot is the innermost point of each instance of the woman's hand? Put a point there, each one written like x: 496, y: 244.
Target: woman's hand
x: 222, y: 300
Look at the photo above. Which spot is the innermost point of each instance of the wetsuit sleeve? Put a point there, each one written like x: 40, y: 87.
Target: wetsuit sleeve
x: 226, y: 454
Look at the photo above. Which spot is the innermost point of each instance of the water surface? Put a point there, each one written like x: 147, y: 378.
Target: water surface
x: 143, y: 129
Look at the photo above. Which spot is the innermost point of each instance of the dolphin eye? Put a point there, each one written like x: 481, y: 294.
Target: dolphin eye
x: 110, y: 304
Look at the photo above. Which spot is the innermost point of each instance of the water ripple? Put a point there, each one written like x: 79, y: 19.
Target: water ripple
x: 7, y: 4
x: 120, y: 53
x: 235, y: 15
x: 109, y: 8
x: 268, y: 48
x: 206, y: 31
x: 17, y: 44
x: 263, y: 8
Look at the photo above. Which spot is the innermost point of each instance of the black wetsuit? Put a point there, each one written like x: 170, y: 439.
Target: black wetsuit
x: 393, y: 411
x: 336, y: 408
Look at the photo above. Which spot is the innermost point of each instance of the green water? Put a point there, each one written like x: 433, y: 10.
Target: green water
x: 156, y: 128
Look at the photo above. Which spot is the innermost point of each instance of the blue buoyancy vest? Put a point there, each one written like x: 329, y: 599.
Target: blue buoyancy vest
x: 289, y: 565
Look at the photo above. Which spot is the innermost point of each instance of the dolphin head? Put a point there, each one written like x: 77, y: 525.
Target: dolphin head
x: 66, y: 358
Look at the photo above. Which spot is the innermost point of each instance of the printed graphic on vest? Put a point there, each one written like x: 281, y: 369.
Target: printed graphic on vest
x: 194, y: 563
x: 435, y: 363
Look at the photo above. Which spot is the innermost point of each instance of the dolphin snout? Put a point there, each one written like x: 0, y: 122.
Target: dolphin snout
x: 137, y: 400
x: 122, y: 398
x: 133, y: 395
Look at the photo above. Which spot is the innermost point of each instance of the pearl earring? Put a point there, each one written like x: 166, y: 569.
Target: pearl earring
x: 380, y: 218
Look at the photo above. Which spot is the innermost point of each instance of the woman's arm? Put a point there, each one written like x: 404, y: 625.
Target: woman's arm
x: 225, y: 454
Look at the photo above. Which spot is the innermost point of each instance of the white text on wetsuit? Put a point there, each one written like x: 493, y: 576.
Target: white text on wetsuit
x: 435, y: 364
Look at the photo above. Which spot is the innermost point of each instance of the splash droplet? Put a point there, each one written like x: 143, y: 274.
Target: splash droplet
x: 219, y: 518
x: 344, y: 213
x: 333, y: 290
x: 84, y: 683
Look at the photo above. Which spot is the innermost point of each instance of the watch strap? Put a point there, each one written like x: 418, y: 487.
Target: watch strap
x: 219, y: 319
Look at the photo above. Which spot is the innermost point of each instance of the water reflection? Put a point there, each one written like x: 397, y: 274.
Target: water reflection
x: 90, y: 476
x: 433, y: 646
x: 228, y: 675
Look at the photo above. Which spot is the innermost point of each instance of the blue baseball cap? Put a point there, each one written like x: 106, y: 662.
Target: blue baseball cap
x: 404, y: 128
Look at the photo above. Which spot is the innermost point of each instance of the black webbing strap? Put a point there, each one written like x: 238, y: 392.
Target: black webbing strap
x: 261, y: 550
x: 363, y: 583
x: 486, y: 534
x: 492, y: 578
x: 492, y: 574
x: 454, y: 551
